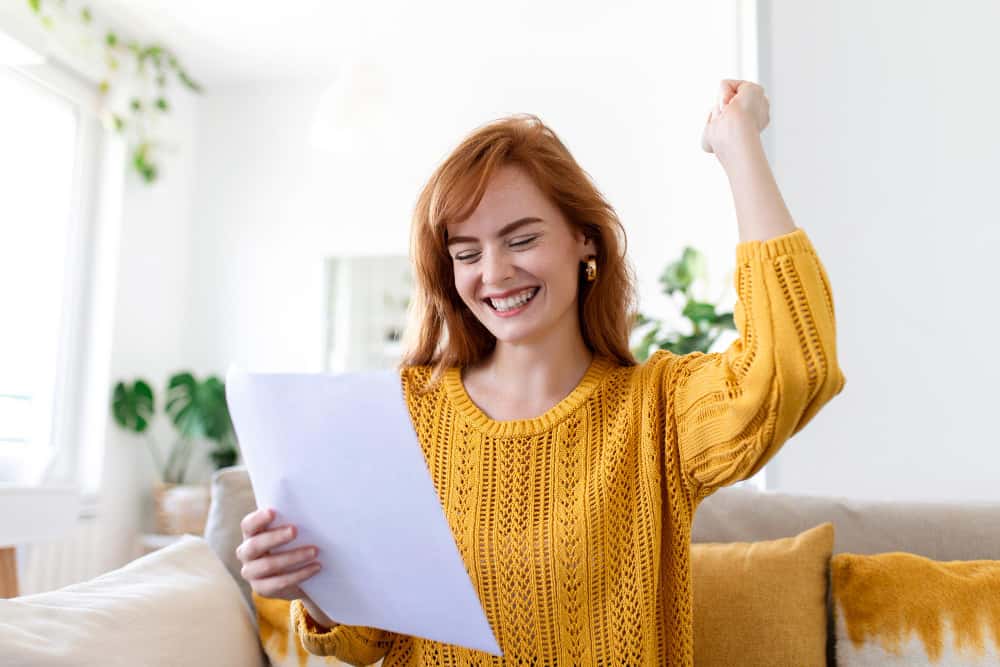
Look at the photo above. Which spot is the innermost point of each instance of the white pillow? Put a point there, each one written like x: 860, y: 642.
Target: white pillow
x: 175, y: 606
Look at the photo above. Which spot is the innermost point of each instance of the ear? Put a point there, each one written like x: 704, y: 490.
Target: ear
x: 587, y: 246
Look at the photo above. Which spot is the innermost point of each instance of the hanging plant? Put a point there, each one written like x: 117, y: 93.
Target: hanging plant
x: 136, y: 82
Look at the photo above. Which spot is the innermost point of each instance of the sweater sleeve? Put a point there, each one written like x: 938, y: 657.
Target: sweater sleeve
x: 354, y: 644
x: 734, y: 409
x: 286, y: 629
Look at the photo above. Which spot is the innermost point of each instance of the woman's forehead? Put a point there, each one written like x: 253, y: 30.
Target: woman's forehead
x: 503, y: 204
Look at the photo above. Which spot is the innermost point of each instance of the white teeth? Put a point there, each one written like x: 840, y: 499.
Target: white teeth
x: 515, y: 301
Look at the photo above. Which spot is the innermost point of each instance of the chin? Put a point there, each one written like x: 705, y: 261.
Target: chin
x: 517, y: 335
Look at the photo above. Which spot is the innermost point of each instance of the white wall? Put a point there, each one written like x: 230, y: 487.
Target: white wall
x: 151, y: 323
x: 221, y: 260
x: 886, y: 147
x: 629, y: 99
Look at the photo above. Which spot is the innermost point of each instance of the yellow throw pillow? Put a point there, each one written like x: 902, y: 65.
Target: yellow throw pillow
x: 899, y: 608
x: 762, y: 603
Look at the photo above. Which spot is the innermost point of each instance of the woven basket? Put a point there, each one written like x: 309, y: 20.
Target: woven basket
x: 181, y: 508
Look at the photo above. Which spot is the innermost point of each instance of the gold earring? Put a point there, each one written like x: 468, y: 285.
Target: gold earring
x: 591, y: 269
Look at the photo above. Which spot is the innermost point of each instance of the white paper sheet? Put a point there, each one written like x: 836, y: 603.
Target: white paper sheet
x: 337, y: 456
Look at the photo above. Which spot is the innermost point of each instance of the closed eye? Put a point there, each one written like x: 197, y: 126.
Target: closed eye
x: 525, y: 241
x: 472, y: 255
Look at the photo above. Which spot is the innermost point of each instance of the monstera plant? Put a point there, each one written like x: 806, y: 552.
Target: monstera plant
x: 678, y: 280
x: 199, y: 414
x: 197, y: 410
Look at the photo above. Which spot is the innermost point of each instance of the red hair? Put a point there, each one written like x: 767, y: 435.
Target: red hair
x: 442, y: 332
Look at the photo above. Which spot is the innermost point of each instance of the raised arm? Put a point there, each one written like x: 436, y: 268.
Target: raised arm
x: 732, y: 132
x: 733, y: 410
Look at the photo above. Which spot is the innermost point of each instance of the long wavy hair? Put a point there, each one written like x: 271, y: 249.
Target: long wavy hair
x: 442, y: 332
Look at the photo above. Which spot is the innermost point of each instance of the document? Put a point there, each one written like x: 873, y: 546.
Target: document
x: 337, y: 456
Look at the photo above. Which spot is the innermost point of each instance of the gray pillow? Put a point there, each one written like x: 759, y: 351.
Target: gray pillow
x: 936, y: 530
x: 232, y: 499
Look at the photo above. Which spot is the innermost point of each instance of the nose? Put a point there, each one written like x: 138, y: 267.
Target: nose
x: 496, y: 267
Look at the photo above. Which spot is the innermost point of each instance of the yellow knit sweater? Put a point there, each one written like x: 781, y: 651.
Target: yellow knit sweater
x: 575, y: 525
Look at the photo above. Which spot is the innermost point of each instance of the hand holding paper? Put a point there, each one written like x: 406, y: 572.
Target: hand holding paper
x: 336, y: 455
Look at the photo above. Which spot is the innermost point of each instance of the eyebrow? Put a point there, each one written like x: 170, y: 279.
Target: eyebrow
x: 506, y: 229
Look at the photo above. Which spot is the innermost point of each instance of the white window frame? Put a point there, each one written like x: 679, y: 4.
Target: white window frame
x: 73, y: 403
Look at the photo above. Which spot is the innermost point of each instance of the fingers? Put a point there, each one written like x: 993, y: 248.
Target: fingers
x: 278, y: 564
x: 277, y: 586
x: 258, y: 545
x: 727, y: 90
x: 256, y: 521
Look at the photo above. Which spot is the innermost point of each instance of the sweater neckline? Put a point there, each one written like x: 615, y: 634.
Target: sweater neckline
x: 599, y: 367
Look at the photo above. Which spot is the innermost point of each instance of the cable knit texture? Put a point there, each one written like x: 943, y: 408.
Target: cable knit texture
x: 575, y: 525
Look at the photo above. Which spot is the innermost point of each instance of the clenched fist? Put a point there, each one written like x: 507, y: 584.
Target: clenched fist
x: 742, y: 108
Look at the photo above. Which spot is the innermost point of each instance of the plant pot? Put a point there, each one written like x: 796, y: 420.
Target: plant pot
x: 181, y: 508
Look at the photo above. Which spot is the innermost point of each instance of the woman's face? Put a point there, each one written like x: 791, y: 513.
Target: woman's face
x: 517, y: 261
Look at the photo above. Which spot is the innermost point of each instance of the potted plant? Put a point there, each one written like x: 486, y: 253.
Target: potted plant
x: 678, y: 279
x: 198, y: 412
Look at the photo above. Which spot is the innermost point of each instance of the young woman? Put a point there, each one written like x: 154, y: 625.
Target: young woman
x: 569, y: 474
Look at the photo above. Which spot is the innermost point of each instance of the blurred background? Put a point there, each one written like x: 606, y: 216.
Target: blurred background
x: 189, y: 185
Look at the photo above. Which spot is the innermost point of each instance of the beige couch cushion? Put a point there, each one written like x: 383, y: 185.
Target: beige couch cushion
x: 942, y: 531
x: 175, y: 606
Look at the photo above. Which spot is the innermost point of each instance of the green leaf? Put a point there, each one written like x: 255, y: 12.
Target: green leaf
x: 111, y: 39
x: 725, y: 321
x: 199, y: 409
x: 699, y: 312
x: 141, y: 163
x: 224, y: 457
x: 676, y: 277
x: 695, y: 263
x: 183, y: 406
x: 132, y: 406
x: 136, y: 104
x: 648, y: 341
x: 161, y: 104
x: 187, y: 81
x: 119, y: 123
x: 85, y: 15
x: 699, y: 342
x: 36, y: 5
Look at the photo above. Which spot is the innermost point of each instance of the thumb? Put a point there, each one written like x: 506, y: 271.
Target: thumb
x: 705, y: 145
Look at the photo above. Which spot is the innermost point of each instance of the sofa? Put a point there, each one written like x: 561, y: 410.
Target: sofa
x: 733, y: 516
x: 939, y: 531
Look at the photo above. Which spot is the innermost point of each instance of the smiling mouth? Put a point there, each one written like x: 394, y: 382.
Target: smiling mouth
x: 513, y: 302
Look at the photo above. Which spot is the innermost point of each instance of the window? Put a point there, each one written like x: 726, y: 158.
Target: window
x: 47, y: 139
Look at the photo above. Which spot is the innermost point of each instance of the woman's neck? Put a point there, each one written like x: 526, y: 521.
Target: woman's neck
x: 537, y: 371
